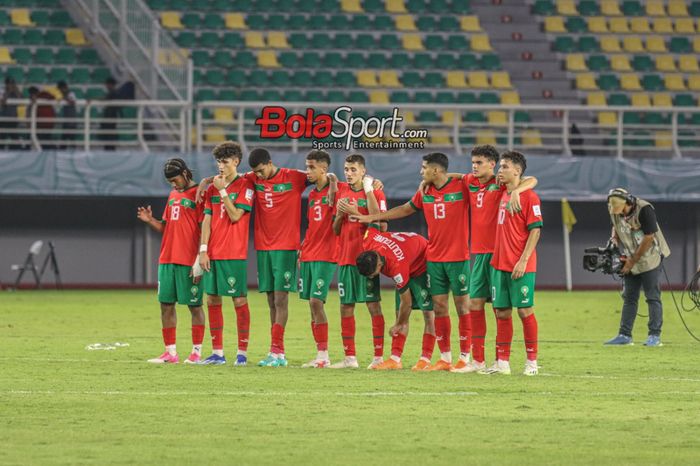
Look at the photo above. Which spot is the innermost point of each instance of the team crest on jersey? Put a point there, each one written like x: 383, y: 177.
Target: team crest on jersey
x: 231, y: 281
x: 320, y: 283
x: 462, y: 278
x: 524, y: 290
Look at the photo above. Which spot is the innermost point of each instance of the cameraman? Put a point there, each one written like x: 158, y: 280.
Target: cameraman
x: 637, y: 234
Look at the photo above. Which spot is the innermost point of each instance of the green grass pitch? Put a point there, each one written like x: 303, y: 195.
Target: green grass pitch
x: 62, y: 404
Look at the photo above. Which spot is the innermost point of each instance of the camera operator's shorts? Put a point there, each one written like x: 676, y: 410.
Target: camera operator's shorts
x: 227, y: 277
x: 444, y: 277
x: 315, y: 279
x: 355, y: 288
x: 480, y: 281
x: 420, y: 294
x: 277, y: 270
x: 507, y: 293
x: 176, y: 285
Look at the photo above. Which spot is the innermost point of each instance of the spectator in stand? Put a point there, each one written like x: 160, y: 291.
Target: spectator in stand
x: 8, y: 113
x: 45, y: 115
x: 110, y: 113
x: 68, y: 113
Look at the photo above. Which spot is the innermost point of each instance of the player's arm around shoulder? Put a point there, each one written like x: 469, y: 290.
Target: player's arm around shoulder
x: 528, y: 183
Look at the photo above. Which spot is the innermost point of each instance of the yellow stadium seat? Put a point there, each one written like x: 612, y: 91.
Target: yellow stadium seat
x: 168, y: 57
x: 409, y: 118
x: 674, y: 82
x: 268, y: 59
x: 215, y: 134
x: 633, y: 44
x: 22, y: 112
x: 510, y: 98
x: 395, y: 6
x: 53, y: 90
x: 610, y: 44
x: 412, y: 42
x: 662, y: 100
x: 694, y: 82
x: 630, y: 82
x: 656, y: 44
x: 478, y: 79
x: 389, y: 78
x: 688, y: 63
x: 497, y: 118
x: 501, y: 80
x: 485, y: 136
x: 379, y: 97
x: 662, y: 25
x: 405, y: 23
x: 595, y: 99
x: 597, y: 24
x: 586, y: 82
x: 554, y: 24
x: 531, y: 137
x: 171, y: 20
x: 351, y: 6
x: 254, y: 40
x: 277, y: 40
x: 639, y: 25
x: 567, y: 8
x: 619, y: 25
x: 470, y: 24
x: 74, y: 36
x: 456, y: 79
x: 449, y: 117
x: 610, y: 8
x: 235, y: 21
x: 677, y: 8
x: 685, y: 26
x: 663, y: 139
x: 607, y: 119
x: 655, y: 8
x: 696, y: 44
x: 665, y: 63
x: 641, y: 99
x: 367, y: 78
x: 20, y: 17
x: 440, y: 138
x: 480, y: 43
x: 620, y: 63
x: 223, y: 115
x: 576, y: 62
x: 5, y: 57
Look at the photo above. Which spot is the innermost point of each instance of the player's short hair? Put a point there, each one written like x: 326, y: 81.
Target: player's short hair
x: 367, y: 262
x: 487, y: 151
x: 437, y: 158
x: 228, y: 150
x: 516, y: 158
x: 355, y: 158
x: 176, y: 167
x: 319, y: 156
x: 258, y: 156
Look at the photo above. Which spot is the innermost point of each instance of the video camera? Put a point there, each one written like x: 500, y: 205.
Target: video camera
x: 608, y: 259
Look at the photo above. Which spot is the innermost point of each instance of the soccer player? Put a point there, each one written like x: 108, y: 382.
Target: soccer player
x: 402, y: 257
x: 277, y: 235
x: 177, y: 280
x: 318, y: 251
x: 354, y: 198
x: 515, y: 263
x: 224, y: 249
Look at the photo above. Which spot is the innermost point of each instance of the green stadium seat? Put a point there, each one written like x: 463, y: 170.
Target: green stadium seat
x: 544, y: 8
x: 259, y: 77
x: 317, y: 23
x: 37, y: 76
x: 314, y: 95
x: 301, y: 79
x: 433, y: 79
x: 619, y: 99
x: 652, y: 82
x: 41, y: 18
x: 383, y: 23
x: 694, y: 9
x: 215, y: 77
x: 679, y: 45
x: 43, y: 56
x: 307, y: 6
x: 632, y: 8
x: 236, y: 78
x: 373, y: 6
x: 422, y: 61
x: 190, y: 20
x: 466, y: 98
x: 299, y: 40
x: 79, y: 76
x: 323, y: 78
x: 311, y: 60
x: 54, y: 37
x: 256, y: 22
x: 468, y: 61
x: 358, y: 96
x: 683, y: 100
x: 433, y: 42
x: 360, y: 23
x: 489, y: 98
x: 201, y: 58
x: 377, y: 61
x: 445, y: 97
x: 296, y: 22
x: 522, y: 117
x: 426, y: 23
x: 608, y: 82
x: 399, y: 60
x: 158, y: 4
x: 79, y: 94
x: 58, y: 74
x: 335, y: 96
x: 564, y: 44
x: 411, y: 79
x: 428, y: 117
x: 656, y: 118
x: 88, y: 57
x: 288, y: 59
x: 245, y: 59
x: 448, y: 24
x: 365, y: 42
x: 179, y: 5
x: 66, y: 56
x: 60, y: 19
x: 99, y: 75
x: 33, y: 37
x: 475, y: 117
x: 458, y: 42
x: 490, y: 62
x: 416, y: 6
x: 422, y: 97
x: 389, y: 42
x: 444, y: 61
x: 95, y: 93
x: 22, y: 56
x: 208, y: 40
x: 399, y: 97
x: 355, y: 60
x: 642, y: 63
x: 232, y: 40
x: 576, y: 24
x: 333, y: 60
x: 294, y: 95
x: 4, y: 18
x: 438, y: 7
x: 338, y: 23
x: 223, y: 59
x: 15, y: 72
x: 588, y: 8
x: 345, y: 79
x: 186, y: 39
x: 598, y: 63
x: 276, y: 23
x: 199, y: 77
x: 342, y: 40
x: 588, y: 44
x: 249, y: 95
x: 12, y: 36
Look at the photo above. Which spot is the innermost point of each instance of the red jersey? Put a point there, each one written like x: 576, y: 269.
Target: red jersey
x: 446, y: 211
x: 351, y: 232
x: 320, y: 242
x: 182, y: 216
x: 404, y: 254
x: 483, y: 203
x: 278, y: 210
x: 512, y: 232
x: 229, y: 240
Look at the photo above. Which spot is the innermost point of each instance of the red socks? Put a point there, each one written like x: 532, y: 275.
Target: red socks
x: 321, y: 336
x: 465, y: 333
x: 378, y: 335
x: 216, y: 326
x: 277, y: 345
x: 478, y: 320
x: 243, y: 323
x: 504, y: 337
x: 428, y: 346
x: 197, y: 335
x: 347, y: 331
x: 443, y: 329
x: 397, y: 344
x: 169, y: 336
x: 530, y: 336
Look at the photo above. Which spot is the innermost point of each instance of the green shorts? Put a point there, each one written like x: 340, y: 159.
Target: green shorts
x: 444, y: 277
x: 508, y: 293
x: 277, y: 271
x: 355, y: 288
x: 176, y: 286
x: 227, y: 278
x: 480, y: 280
x: 315, y: 279
x: 420, y: 295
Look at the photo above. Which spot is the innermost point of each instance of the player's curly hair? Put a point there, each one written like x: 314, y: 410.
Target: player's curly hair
x: 318, y: 155
x: 487, y: 151
x: 515, y: 158
x: 176, y: 167
x: 355, y: 158
x: 228, y: 150
x: 367, y: 262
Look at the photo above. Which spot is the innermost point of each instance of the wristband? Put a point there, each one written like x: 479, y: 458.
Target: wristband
x: 202, y: 248
x: 223, y: 194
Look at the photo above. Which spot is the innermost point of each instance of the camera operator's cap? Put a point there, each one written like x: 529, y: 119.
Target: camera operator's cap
x: 174, y: 167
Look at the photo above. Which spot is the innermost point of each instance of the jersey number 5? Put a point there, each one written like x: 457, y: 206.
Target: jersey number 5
x: 268, y: 200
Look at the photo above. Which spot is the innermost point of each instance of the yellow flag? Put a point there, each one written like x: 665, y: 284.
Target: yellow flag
x: 567, y: 215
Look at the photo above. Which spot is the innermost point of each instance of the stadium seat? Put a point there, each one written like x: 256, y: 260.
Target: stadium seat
x: 655, y: 8
x: 683, y: 100
x: 641, y: 100
x: 171, y: 20
x: 366, y: 78
x: 412, y: 42
x: 640, y: 25
x: 395, y: 6
x: 588, y: 44
x: 610, y: 8
x: 254, y: 40
x: 598, y: 63
x: 235, y: 21
x: 642, y: 63
x: 5, y: 57
x: 391, y: 41
x: 586, y: 82
x: 620, y: 63
x: 455, y: 79
x: 688, y: 63
x: 224, y: 115
x: 20, y: 17
x: 594, y: 99
x: 88, y: 57
x: 481, y: 43
x: 633, y: 44
x: 405, y: 23
x: 458, y: 42
x: 674, y: 82
x: 567, y: 8
x: 267, y: 59
x: 588, y: 8
x: 632, y: 8
x: 497, y: 118
x: 543, y: 7
x: 531, y: 138
x: 379, y: 97
x: 351, y: 6
x: 619, y: 25
x: 619, y: 100
x: 656, y: 44
x: 470, y: 24
x: 510, y: 98
x: 662, y: 100
x: 232, y: 40
x: 486, y: 136
x: 597, y: 24
x: 43, y: 56
x: 501, y: 80
x: 694, y: 82
x: 610, y: 44
x: 677, y: 8
x: 663, y: 139
x: 389, y: 79
x: 478, y: 80
x: 564, y: 44
x: 426, y: 23
x: 685, y: 26
x: 65, y: 56
x: 61, y: 19
x: 607, y: 118
x: 576, y: 25
x: 652, y: 82
x: 75, y: 37
x: 662, y: 26
x: 277, y: 40
x: 608, y: 82
x: 696, y: 44
x: 575, y: 62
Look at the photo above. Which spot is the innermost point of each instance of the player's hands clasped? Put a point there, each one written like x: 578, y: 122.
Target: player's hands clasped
x: 348, y: 207
x: 145, y: 214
